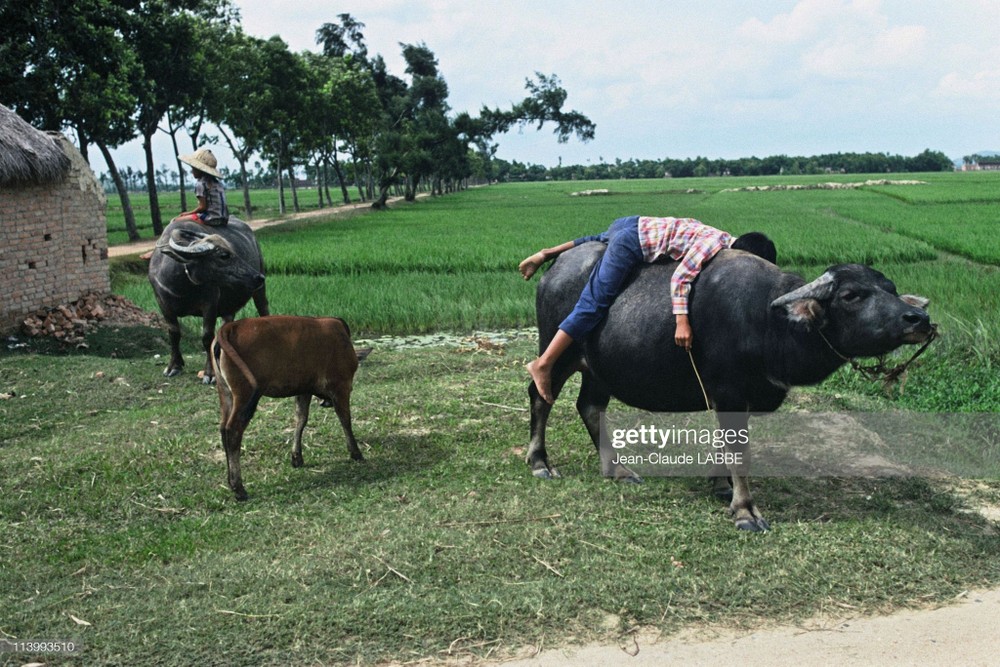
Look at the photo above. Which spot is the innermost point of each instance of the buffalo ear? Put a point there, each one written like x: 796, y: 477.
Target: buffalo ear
x: 918, y: 301
x: 805, y: 311
x: 803, y: 305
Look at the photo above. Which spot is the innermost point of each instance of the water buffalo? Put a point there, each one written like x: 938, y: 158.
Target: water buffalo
x: 206, y: 271
x: 757, y: 332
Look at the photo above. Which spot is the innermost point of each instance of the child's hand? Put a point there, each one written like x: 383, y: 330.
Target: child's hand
x: 682, y: 335
x: 529, y: 265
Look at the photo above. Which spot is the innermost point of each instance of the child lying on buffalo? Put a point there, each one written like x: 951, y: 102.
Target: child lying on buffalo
x: 631, y: 241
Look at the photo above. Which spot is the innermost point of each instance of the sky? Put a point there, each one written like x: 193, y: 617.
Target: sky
x: 689, y: 78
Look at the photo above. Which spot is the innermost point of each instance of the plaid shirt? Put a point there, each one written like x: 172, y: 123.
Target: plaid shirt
x: 684, y: 239
x: 215, y: 200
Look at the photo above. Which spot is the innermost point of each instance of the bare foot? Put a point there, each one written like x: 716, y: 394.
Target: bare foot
x: 529, y: 265
x: 542, y: 378
x: 146, y: 255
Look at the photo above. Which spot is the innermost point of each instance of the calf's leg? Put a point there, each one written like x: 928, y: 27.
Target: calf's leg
x: 301, y: 418
x: 232, y: 441
x: 341, y: 399
x: 238, y: 402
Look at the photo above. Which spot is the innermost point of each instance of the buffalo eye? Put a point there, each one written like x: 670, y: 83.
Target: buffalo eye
x: 850, y: 295
x: 224, y: 254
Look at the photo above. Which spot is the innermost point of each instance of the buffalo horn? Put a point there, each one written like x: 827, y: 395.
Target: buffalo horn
x: 202, y: 246
x: 916, y: 300
x: 817, y: 289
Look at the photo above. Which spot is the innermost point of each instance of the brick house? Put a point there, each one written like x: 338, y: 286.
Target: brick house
x: 53, y: 233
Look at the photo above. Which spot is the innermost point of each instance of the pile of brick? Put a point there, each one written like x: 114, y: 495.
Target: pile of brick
x: 71, y: 322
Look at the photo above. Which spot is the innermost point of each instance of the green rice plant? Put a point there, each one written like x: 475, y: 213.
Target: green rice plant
x: 806, y: 226
x: 947, y: 188
x: 966, y: 229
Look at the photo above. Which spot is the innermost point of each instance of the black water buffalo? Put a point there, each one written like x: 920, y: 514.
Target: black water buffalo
x: 207, y: 271
x: 757, y: 332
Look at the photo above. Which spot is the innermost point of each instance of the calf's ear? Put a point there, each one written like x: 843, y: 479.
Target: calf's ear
x: 914, y: 300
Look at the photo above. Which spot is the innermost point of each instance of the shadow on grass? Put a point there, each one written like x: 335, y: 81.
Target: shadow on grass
x: 109, y: 340
x: 329, y: 467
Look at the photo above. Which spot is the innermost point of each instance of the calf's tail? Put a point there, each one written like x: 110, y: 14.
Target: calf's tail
x: 224, y: 345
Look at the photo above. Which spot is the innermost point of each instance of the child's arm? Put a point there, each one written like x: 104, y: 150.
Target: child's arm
x: 680, y: 285
x: 682, y: 334
x: 529, y: 265
x: 202, y: 207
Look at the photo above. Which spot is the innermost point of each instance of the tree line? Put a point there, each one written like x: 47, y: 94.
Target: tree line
x: 115, y: 70
x: 839, y: 163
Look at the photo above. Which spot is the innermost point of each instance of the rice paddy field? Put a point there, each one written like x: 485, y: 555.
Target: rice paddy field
x: 121, y: 534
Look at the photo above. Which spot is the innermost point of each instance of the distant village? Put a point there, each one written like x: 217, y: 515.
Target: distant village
x: 980, y: 163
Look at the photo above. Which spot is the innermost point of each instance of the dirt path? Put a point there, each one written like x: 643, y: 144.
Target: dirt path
x: 343, y: 209
x: 960, y: 634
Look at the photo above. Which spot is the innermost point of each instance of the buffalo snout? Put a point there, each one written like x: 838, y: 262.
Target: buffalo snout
x: 258, y: 281
x: 917, y: 325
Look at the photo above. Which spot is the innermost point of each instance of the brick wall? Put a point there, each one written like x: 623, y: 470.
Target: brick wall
x: 53, y: 241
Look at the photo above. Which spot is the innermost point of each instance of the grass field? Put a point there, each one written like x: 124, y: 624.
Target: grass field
x: 121, y: 532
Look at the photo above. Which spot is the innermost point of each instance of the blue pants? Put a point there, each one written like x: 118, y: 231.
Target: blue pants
x: 623, y: 254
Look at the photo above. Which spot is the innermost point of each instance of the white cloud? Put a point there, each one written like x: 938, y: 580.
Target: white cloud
x: 978, y: 87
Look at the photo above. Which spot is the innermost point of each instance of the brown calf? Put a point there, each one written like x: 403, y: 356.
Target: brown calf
x: 281, y: 356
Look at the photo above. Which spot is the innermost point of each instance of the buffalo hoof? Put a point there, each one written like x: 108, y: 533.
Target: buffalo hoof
x: 208, y: 379
x: 753, y: 525
x: 241, y: 494
x: 297, y: 461
x: 171, y: 371
x: 546, y: 473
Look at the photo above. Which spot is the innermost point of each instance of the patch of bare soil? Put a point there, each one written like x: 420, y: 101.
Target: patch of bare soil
x: 71, y: 322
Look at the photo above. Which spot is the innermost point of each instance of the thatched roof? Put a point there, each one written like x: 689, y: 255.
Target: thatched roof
x: 28, y: 156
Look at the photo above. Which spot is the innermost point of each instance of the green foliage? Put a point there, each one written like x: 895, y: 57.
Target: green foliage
x: 441, y: 541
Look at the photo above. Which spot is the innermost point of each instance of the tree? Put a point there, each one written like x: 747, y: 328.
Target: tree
x: 241, y: 94
x: 287, y: 78
x: 165, y: 36
x: 930, y: 161
x: 337, y: 40
x: 543, y: 105
x: 65, y: 64
x: 355, y: 114
x: 187, y: 110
